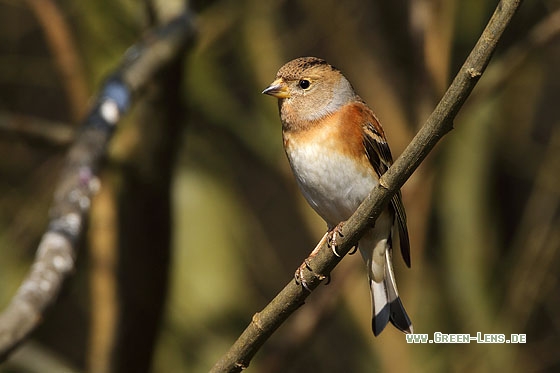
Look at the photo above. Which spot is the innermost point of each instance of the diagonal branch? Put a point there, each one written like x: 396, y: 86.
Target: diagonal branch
x: 32, y: 128
x: 65, y: 53
x: 57, y: 250
x: 438, y: 124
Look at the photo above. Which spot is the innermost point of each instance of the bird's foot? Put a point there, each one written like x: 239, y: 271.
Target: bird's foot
x: 334, y: 234
x: 300, y: 280
x: 298, y: 276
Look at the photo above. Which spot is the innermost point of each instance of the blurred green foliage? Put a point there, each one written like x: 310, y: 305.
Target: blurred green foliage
x: 483, y: 210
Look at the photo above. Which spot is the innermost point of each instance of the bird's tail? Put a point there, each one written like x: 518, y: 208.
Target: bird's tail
x: 387, y: 305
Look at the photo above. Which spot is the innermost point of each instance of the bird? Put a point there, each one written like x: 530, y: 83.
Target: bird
x: 337, y: 150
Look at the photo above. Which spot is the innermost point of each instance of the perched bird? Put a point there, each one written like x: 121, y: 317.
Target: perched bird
x: 337, y: 151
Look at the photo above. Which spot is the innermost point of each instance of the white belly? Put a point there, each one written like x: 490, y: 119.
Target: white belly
x: 333, y: 184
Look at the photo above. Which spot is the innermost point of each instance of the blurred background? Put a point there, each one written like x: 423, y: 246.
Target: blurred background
x: 199, y: 222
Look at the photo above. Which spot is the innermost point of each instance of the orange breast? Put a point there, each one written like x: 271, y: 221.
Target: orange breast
x: 330, y: 164
x: 341, y: 131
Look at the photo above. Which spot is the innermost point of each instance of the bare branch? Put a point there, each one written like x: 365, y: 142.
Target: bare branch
x: 501, y: 71
x: 57, y: 250
x: 63, y: 48
x: 52, y: 133
x: 438, y: 124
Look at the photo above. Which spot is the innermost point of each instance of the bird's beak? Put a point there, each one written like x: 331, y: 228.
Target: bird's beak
x: 278, y: 89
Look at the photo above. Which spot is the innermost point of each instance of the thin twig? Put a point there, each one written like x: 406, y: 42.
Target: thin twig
x: 34, y: 128
x: 63, y: 48
x: 440, y: 122
x: 539, y: 223
x: 57, y: 250
x: 502, y: 69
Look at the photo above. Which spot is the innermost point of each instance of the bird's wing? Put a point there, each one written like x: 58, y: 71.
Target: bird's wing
x: 379, y: 155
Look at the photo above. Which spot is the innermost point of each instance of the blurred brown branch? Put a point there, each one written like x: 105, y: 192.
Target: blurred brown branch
x: 534, y: 268
x: 63, y: 48
x: 501, y: 70
x: 53, y: 133
x: 78, y: 182
x: 438, y: 124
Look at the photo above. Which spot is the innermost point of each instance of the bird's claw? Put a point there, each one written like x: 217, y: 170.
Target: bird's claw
x: 300, y: 280
x: 333, y: 236
x: 298, y: 277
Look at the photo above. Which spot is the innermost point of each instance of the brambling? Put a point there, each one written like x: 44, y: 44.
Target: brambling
x: 337, y: 151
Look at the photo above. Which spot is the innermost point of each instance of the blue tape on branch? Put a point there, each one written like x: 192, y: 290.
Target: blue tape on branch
x: 116, y: 91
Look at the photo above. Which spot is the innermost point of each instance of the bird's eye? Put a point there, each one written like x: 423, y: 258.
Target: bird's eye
x: 304, y: 84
